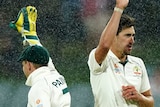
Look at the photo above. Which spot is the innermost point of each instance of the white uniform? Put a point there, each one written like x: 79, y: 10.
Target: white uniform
x: 48, y: 89
x: 107, y: 80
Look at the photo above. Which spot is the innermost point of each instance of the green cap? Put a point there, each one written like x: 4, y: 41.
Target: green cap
x: 36, y: 54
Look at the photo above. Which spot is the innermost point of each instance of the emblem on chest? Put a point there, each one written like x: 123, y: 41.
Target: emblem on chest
x: 117, y: 69
x: 137, y: 70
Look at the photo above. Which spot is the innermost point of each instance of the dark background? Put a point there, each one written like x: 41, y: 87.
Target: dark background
x: 70, y: 29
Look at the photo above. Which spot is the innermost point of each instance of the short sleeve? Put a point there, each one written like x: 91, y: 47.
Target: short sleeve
x: 94, y: 67
x: 145, y: 80
x: 51, y: 65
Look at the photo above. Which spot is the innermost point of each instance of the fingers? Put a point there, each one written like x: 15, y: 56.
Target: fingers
x: 25, y: 24
x: 19, y: 19
x: 32, y: 17
x: 129, y: 92
x: 32, y: 13
x: 18, y: 23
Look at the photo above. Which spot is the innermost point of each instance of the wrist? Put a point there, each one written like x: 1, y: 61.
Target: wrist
x: 118, y: 10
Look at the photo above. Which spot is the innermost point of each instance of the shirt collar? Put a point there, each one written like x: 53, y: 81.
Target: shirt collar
x: 37, y: 75
x: 116, y: 59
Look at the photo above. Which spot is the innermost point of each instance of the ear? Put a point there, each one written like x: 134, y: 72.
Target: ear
x: 29, y: 65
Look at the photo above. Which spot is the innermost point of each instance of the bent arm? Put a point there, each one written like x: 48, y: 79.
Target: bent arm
x: 107, y: 37
x: 146, y: 99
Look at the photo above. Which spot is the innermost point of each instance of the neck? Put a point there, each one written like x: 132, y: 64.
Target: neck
x: 121, y: 56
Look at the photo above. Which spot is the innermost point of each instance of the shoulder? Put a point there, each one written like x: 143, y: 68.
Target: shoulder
x: 134, y: 59
x: 92, y: 51
x: 39, y: 88
x: 91, y: 58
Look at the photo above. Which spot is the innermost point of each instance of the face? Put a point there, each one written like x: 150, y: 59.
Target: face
x: 26, y: 68
x: 125, y: 41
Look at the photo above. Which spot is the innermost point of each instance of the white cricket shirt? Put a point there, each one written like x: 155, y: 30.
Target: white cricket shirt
x: 107, y: 80
x: 48, y: 89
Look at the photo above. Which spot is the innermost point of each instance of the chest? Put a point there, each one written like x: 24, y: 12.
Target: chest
x: 129, y: 74
x: 127, y: 70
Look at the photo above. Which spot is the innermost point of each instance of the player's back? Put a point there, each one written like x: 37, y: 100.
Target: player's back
x: 60, y: 96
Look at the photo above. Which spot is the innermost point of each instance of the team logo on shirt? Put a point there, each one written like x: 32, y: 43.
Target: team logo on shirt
x: 117, y: 70
x: 137, y: 70
x: 38, y: 101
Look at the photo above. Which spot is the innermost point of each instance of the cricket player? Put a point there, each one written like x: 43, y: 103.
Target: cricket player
x: 48, y: 87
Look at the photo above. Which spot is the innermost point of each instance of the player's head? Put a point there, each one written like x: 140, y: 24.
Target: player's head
x: 125, y: 37
x: 125, y: 22
x: 32, y: 58
x: 35, y: 54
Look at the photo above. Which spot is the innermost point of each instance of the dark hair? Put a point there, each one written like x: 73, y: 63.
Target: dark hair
x: 36, y: 65
x: 125, y: 22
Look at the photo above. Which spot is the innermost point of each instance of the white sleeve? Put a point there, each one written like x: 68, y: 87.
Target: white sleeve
x: 94, y: 66
x: 51, y: 65
x: 145, y: 80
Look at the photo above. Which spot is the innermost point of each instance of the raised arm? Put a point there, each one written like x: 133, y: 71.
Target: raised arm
x: 110, y: 31
x: 25, y: 24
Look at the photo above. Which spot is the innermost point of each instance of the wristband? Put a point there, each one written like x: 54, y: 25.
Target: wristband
x: 118, y: 9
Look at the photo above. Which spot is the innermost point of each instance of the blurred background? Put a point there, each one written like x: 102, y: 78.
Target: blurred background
x: 70, y: 29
